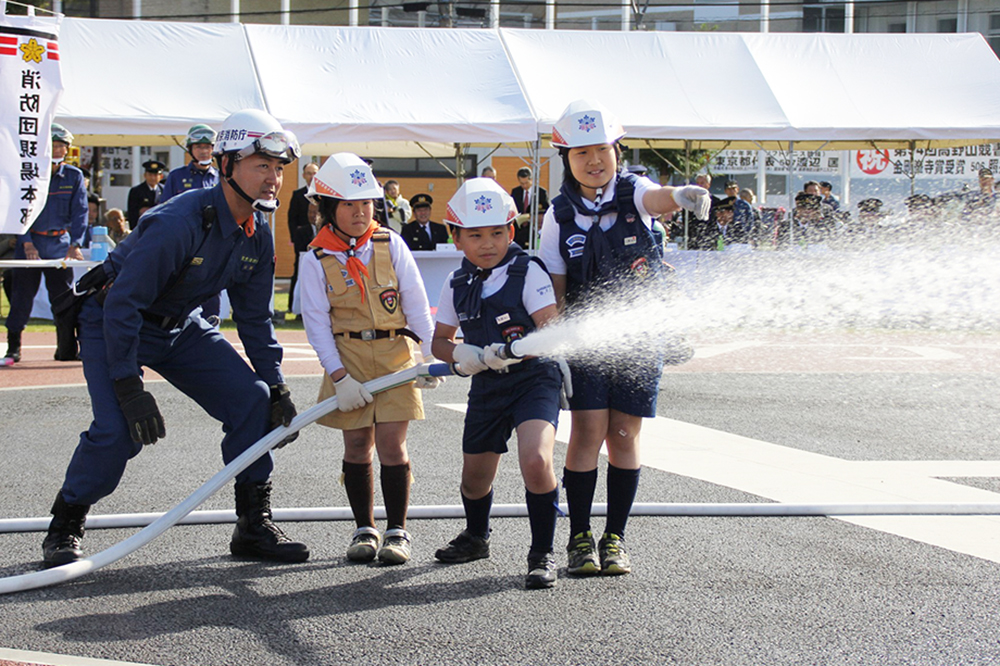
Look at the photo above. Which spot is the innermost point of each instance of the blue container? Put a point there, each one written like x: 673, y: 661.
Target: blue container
x: 99, y: 244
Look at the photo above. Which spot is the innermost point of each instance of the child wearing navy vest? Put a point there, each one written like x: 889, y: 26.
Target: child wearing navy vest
x: 597, y: 243
x: 500, y: 294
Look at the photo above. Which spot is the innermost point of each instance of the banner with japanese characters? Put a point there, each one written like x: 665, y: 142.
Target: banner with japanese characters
x: 30, y: 85
x: 961, y: 162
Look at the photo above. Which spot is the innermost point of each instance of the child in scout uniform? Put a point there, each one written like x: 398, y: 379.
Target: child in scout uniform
x: 597, y: 240
x: 498, y: 295
x: 365, y: 310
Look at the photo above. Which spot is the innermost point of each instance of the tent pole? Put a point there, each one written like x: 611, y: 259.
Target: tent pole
x: 687, y: 181
x: 536, y: 173
x: 550, y: 14
x: 913, y: 168
x: 791, y: 197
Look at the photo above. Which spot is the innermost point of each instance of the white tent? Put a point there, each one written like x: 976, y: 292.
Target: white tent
x: 337, y: 84
x: 815, y: 89
x: 130, y: 82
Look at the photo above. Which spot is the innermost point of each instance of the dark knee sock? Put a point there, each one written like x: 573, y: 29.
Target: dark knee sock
x: 622, y: 485
x: 360, y: 486
x: 542, y: 518
x: 396, y: 492
x: 477, y: 514
x: 580, y: 487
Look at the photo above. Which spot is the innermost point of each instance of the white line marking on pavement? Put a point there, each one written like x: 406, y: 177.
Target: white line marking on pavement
x: 792, y: 476
x: 922, y: 354
x: 25, y: 657
x: 708, y: 351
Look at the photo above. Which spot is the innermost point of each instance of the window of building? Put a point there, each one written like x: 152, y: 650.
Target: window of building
x: 947, y: 25
x: 823, y: 18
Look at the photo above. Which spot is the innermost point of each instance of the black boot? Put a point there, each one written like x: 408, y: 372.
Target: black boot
x: 67, y: 347
x: 62, y: 543
x: 255, y: 535
x: 13, y: 345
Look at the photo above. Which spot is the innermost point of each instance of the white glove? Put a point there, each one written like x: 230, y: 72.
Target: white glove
x: 491, y: 357
x: 695, y: 199
x: 469, y: 359
x: 351, y: 394
x: 567, y: 383
x: 426, y: 381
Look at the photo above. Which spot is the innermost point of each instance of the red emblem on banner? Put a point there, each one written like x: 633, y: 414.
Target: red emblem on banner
x: 873, y: 161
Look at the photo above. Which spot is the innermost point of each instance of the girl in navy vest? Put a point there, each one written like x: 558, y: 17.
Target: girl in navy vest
x: 498, y: 295
x: 597, y: 242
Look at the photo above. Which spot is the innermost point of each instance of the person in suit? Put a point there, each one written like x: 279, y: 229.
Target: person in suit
x: 522, y: 200
x: 145, y: 195
x: 300, y: 230
x: 422, y: 233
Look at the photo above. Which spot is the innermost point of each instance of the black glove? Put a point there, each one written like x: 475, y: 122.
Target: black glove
x: 282, y: 411
x: 145, y: 424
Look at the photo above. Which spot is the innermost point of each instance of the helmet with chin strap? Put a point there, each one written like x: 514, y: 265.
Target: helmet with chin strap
x: 586, y: 123
x: 60, y: 133
x: 247, y: 133
x: 480, y: 202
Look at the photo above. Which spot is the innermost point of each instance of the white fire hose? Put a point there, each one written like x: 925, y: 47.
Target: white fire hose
x: 162, y: 523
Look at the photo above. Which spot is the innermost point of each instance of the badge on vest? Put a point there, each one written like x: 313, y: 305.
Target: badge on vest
x: 503, y: 319
x: 390, y: 300
x: 630, y: 218
x: 575, y: 245
x: 512, y: 333
x: 347, y: 278
x: 640, y: 268
x: 631, y: 240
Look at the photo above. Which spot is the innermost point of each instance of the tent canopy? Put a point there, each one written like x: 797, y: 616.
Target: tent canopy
x: 414, y: 91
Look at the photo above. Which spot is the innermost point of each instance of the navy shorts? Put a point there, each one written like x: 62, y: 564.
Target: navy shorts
x: 630, y: 386
x: 498, y: 403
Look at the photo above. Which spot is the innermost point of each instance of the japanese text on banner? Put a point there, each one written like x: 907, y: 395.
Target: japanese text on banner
x: 30, y: 85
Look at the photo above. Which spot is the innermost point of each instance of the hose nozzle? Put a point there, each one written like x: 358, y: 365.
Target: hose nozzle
x: 508, y: 353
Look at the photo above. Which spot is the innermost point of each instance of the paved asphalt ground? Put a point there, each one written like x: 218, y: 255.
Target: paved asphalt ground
x: 705, y: 590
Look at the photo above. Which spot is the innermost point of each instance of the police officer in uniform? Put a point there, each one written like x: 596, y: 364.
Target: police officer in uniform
x: 181, y: 253
x: 147, y: 194
x: 198, y: 173
x: 422, y: 233
x: 57, y: 233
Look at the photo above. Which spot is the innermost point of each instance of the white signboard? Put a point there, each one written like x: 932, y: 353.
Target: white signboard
x: 30, y: 85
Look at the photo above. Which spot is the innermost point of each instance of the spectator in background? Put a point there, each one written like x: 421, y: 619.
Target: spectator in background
x: 812, y: 187
x: 829, y: 200
x: 489, y: 172
x: 57, y: 233
x: 145, y: 195
x: 748, y: 195
x: 807, y: 216
x: 702, y: 233
x: 398, y: 209
x: 94, y: 205
x: 422, y: 233
x: 300, y: 231
x: 869, y: 228
x: 742, y: 216
x: 522, y: 201
x: 118, y: 227
x: 981, y: 207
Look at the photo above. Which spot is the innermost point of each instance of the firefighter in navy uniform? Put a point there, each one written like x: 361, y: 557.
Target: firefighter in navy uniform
x: 183, y: 252
x: 197, y: 174
x: 146, y: 194
x: 597, y: 242
x: 422, y: 233
x: 57, y: 233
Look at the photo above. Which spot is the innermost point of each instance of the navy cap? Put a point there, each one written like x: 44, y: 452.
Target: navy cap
x: 421, y: 201
x: 153, y: 166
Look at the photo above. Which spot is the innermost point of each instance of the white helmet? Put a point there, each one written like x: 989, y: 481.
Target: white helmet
x: 252, y: 131
x: 480, y: 202
x: 344, y: 176
x: 586, y: 123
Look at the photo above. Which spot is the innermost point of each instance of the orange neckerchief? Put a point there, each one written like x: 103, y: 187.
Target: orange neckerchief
x: 248, y: 227
x: 328, y: 240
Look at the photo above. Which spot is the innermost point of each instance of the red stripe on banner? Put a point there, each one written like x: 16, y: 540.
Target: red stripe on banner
x: 52, y: 46
x: 52, y: 55
x: 8, y: 51
x: 8, y: 41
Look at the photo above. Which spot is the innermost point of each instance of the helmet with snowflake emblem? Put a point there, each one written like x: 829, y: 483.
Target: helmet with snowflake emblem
x: 480, y: 202
x: 586, y: 123
x: 344, y: 176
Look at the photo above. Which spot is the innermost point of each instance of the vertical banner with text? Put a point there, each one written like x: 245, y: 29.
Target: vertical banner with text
x: 30, y: 85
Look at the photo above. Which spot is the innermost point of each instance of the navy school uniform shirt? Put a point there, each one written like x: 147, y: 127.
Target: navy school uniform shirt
x: 168, y: 237
x: 65, y: 208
